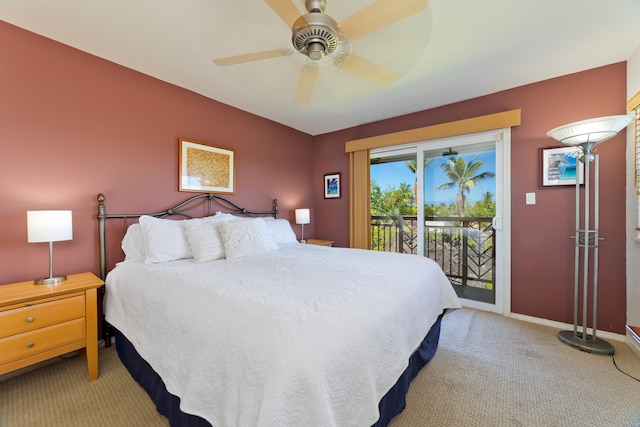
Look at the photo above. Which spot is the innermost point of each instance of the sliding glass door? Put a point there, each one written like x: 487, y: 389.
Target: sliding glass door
x: 444, y: 199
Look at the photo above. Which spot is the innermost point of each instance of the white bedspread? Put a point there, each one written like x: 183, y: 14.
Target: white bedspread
x: 301, y: 336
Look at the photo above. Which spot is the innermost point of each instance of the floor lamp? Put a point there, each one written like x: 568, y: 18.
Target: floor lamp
x: 585, y: 135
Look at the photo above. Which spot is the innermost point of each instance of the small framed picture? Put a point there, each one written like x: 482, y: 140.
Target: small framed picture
x: 560, y: 166
x: 332, y: 186
x: 205, y: 168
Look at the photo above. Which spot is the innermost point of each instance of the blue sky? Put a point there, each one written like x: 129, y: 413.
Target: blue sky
x: 387, y: 175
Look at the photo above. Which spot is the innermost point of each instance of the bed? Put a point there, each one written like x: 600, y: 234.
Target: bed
x: 261, y: 330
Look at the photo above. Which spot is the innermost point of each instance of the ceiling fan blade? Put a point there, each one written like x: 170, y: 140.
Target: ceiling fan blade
x: 378, y: 15
x: 248, y: 57
x: 286, y: 10
x: 360, y: 67
x: 306, y: 83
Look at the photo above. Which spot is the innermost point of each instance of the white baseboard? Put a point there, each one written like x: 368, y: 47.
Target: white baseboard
x: 633, y: 343
x: 567, y: 326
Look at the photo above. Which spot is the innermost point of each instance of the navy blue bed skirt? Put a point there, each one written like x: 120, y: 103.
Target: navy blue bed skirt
x: 169, y: 405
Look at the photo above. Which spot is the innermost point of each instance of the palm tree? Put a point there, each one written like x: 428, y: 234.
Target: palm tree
x: 464, y: 176
x: 487, y: 198
x: 406, y: 198
x: 413, y: 166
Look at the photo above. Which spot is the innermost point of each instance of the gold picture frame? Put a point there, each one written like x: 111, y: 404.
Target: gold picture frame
x: 205, y: 168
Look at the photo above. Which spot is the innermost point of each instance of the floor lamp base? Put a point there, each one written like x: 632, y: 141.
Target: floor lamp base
x: 599, y: 346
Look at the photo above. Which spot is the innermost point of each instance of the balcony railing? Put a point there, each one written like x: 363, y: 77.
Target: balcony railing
x: 463, y: 247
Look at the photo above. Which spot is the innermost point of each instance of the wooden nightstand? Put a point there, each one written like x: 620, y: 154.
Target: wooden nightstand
x: 38, y: 322
x: 320, y: 242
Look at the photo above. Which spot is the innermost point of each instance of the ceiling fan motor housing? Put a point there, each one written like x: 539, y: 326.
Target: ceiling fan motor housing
x: 315, y: 34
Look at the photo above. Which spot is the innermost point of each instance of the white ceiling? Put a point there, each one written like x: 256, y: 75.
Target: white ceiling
x: 451, y: 51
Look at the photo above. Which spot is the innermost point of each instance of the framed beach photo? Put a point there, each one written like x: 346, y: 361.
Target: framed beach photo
x: 332, y: 186
x: 560, y: 166
x: 206, y: 168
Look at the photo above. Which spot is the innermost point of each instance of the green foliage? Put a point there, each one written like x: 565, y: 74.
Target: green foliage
x: 399, y: 202
x: 393, y: 201
x: 485, y: 208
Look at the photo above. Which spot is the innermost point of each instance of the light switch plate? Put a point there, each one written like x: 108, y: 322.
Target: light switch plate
x: 530, y: 198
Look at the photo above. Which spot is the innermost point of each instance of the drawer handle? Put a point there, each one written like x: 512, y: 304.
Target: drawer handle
x: 30, y: 319
x: 30, y: 344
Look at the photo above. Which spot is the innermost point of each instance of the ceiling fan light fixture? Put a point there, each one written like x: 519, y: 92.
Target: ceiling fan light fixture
x: 315, y: 50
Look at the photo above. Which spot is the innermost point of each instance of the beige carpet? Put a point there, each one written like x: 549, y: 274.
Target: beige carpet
x: 488, y: 371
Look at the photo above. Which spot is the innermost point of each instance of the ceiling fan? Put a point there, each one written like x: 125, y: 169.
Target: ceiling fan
x: 319, y: 37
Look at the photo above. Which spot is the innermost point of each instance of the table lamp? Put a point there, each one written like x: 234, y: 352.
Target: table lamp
x: 302, y: 217
x: 49, y: 226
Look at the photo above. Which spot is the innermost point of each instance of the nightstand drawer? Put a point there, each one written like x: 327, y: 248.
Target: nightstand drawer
x: 41, y: 315
x: 29, y: 343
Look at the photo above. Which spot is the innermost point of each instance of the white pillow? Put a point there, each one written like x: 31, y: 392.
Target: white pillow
x: 243, y: 238
x: 164, y: 239
x: 133, y: 243
x: 223, y: 214
x: 281, y: 231
x: 204, y: 238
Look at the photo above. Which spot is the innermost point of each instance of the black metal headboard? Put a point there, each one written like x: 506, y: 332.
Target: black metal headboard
x: 213, y: 203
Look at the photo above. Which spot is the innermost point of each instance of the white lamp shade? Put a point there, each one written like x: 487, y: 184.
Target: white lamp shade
x: 590, y: 131
x: 49, y: 226
x: 302, y: 216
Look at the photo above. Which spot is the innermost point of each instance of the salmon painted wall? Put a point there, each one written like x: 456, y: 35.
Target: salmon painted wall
x: 73, y: 125
x: 542, y: 251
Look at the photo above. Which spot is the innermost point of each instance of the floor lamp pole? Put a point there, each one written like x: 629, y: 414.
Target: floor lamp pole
x: 584, y: 135
x: 586, y: 239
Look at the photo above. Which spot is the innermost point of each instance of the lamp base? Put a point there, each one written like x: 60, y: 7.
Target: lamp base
x: 50, y: 280
x: 302, y: 241
x: 597, y: 346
